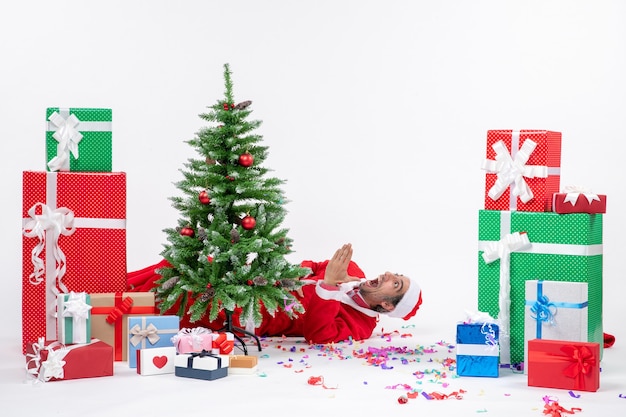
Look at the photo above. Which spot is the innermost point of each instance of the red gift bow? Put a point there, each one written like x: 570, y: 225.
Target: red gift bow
x: 222, y: 343
x: 119, y: 310
x: 582, y: 362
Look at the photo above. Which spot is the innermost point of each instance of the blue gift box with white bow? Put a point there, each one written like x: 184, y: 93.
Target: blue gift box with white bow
x: 147, y: 332
x: 477, y: 349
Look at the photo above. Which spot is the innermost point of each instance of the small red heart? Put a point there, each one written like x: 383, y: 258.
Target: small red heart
x: 159, y: 361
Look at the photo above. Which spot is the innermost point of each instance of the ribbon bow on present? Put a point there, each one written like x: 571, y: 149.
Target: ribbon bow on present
x: 67, y: 137
x: 512, y: 171
x: 76, y: 306
x: 543, y: 310
x: 139, y: 334
x: 52, y: 367
x: 118, y: 311
x: 196, y: 335
x: 574, y: 191
x: 56, y: 222
x: 582, y: 361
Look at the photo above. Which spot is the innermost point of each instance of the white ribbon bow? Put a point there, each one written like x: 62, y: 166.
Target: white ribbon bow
x: 52, y: 367
x: 76, y: 307
x: 67, y: 137
x: 574, y: 191
x: 56, y: 222
x: 512, y: 171
x: 139, y: 334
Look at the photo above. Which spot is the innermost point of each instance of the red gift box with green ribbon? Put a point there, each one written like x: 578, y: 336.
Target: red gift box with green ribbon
x: 523, y: 169
x: 74, y: 239
x: 564, y: 364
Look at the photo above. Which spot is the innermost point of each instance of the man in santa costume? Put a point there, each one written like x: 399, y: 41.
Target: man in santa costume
x: 339, y: 302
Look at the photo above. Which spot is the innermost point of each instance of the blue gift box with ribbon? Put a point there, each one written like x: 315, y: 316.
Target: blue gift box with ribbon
x: 147, y: 332
x: 477, y: 349
x: 201, y: 365
x: 555, y: 310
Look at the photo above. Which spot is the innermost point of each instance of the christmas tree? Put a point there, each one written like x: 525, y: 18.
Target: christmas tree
x: 229, y: 248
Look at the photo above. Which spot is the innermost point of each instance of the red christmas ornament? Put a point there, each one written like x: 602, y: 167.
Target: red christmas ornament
x: 228, y: 106
x: 230, y: 178
x: 187, y: 231
x: 246, y: 159
x: 250, y: 283
x: 204, y: 197
x: 248, y: 222
x: 208, y: 285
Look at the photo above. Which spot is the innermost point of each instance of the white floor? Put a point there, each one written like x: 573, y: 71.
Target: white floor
x: 294, y: 378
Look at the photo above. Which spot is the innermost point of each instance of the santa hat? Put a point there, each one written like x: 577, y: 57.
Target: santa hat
x: 410, y: 302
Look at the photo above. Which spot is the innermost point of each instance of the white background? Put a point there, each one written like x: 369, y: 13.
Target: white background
x: 375, y: 113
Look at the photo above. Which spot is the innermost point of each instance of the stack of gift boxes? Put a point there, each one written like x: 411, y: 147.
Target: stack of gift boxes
x: 540, y: 262
x: 77, y: 319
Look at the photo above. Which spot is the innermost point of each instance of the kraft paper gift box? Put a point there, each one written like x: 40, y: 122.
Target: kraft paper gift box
x: 74, y: 239
x: 202, y: 365
x: 522, y: 169
x: 196, y: 339
x: 223, y: 343
x: 53, y: 361
x: 148, y: 332
x: 109, y: 317
x: 477, y: 349
x: 561, y: 247
x: 156, y: 361
x: 578, y: 200
x: 556, y: 311
x: 79, y: 139
x: 74, y: 318
x: 564, y: 364
x: 242, y: 364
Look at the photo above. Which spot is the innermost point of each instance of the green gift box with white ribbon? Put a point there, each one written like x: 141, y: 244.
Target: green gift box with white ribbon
x: 515, y: 247
x: 79, y: 139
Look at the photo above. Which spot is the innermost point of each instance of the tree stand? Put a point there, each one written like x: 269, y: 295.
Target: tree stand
x: 229, y: 327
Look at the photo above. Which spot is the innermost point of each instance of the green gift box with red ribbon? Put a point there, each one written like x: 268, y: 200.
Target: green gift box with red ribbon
x: 79, y: 139
x: 73, y: 239
x: 563, y: 364
x: 515, y: 247
x: 110, y: 313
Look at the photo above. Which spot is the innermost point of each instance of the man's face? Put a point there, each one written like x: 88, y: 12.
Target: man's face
x: 384, y: 286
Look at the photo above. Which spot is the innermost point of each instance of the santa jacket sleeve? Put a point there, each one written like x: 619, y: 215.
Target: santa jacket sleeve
x: 327, y: 319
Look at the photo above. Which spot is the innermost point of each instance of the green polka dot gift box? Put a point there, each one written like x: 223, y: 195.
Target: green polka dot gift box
x: 515, y: 247
x: 79, y: 139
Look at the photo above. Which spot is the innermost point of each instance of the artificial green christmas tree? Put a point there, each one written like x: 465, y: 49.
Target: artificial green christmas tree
x: 229, y: 248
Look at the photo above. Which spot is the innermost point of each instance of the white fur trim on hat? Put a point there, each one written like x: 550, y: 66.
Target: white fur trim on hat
x: 410, y: 302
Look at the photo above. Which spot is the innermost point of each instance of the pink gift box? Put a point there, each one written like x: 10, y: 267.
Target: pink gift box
x: 523, y: 169
x: 193, y: 340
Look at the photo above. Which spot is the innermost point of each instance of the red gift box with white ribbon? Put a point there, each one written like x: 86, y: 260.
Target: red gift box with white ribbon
x: 575, y: 199
x: 523, y: 169
x: 74, y: 239
x: 54, y: 361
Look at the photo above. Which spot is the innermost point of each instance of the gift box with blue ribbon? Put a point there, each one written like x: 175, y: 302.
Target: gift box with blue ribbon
x: 477, y: 349
x: 201, y: 365
x: 556, y: 310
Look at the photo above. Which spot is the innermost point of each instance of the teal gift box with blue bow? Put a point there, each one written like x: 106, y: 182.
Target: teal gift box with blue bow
x: 555, y: 310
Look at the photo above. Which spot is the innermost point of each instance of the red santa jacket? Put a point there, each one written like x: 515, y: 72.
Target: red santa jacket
x: 330, y: 315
